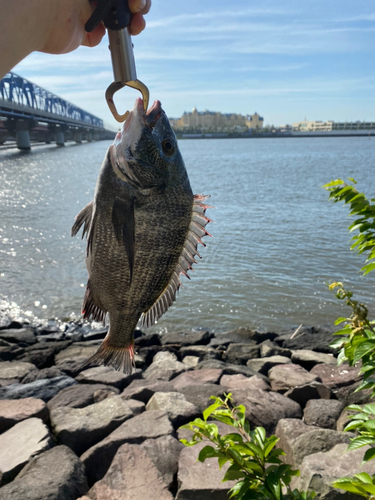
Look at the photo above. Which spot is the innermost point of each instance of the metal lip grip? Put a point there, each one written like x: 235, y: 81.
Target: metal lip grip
x: 116, y: 17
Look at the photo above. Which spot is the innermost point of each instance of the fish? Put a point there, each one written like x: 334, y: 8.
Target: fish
x: 142, y: 228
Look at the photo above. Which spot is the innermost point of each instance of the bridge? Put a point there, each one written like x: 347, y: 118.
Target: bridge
x: 30, y: 113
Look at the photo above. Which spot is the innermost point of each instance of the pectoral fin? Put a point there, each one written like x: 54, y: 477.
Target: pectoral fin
x: 123, y: 225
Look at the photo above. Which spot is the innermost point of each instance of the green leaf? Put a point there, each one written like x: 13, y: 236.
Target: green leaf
x: 270, y: 444
x: 368, y: 268
x: 233, y: 474
x: 362, y: 349
x: 369, y: 455
x: 369, y: 409
x: 273, y: 485
x: 207, y: 412
x: 359, y: 442
x: 348, y: 485
x: 207, y: 452
x: 364, y: 477
x: 234, y: 455
x: 337, y: 182
x: 260, y: 434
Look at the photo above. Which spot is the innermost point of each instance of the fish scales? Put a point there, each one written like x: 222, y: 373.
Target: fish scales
x: 143, y: 228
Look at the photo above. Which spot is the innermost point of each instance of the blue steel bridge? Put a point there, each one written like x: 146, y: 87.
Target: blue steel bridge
x: 31, y: 113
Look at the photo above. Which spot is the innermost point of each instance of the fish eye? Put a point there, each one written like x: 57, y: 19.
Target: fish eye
x: 168, y: 147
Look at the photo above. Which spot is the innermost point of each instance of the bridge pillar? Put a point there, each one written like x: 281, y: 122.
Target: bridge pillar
x: 78, y: 137
x: 23, y: 139
x: 89, y: 136
x: 60, y: 138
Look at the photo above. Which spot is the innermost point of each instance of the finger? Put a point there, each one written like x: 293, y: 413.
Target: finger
x: 138, y: 24
x: 95, y: 37
x: 139, y: 6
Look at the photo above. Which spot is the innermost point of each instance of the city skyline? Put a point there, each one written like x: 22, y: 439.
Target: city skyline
x: 299, y: 61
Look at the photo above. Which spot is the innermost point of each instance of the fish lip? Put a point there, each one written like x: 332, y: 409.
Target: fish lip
x: 153, y: 114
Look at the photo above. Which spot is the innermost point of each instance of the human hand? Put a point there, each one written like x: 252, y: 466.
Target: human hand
x: 67, y: 28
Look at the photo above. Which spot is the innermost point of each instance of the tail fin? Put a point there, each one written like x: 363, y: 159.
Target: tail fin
x: 121, y: 358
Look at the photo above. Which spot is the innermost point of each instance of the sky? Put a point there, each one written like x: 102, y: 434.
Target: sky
x: 286, y: 60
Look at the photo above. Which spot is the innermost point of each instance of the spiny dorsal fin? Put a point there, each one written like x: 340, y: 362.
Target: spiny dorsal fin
x: 195, y: 233
x: 123, y: 226
x: 84, y: 217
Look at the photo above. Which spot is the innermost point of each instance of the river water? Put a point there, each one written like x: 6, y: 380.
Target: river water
x: 277, y: 241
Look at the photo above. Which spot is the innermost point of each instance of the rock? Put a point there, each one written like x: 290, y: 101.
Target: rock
x: 104, y: 393
x: 201, y: 351
x: 266, y: 408
x: 164, y: 453
x: 308, y: 359
x: 147, y: 340
x: 178, y: 409
x: 132, y: 475
x: 336, y: 376
x: 56, y: 474
x: 191, y: 361
x: 240, y: 353
x: 220, y: 343
x: 315, y: 338
x: 143, y: 390
x: 244, y: 335
x: 42, y: 355
x: 20, y: 443
x: 322, y: 413
x: 40, y: 389
x: 207, y: 376
x: 298, y: 440
x: 50, y: 372
x: 147, y: 425
x: 19, y: 335
x: 137, y: 407
x: 186, y: 338
x: 241, y: 382
x: 96, y: 334
x: 320, y: 470
x: 200, y: 395
x: 9, y: 381
x: 108, y: 376
x: 201, y: 481
x: 269, y: 348
x: 71, y: 367
x: 148, y: 353
x: 79, y: 395
x: 229, y: 368
x: 263, y: 365
x: 348, y: 396
x: 164, y: 367
x: 303, y: 393
x: 285, y: 377
x: 81, y: 428
x: 77, y: 350
x: 14, y: 411
x: 5, y: 343
x: 15, y: 369
x: 10, y: 353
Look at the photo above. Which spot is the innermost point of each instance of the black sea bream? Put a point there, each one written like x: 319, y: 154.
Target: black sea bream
x: 143, y: 227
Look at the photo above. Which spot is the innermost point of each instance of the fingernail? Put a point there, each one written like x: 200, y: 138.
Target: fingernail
x: 141, y: 5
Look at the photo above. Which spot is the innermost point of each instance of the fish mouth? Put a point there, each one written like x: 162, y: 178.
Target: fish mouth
x: 148, y: 119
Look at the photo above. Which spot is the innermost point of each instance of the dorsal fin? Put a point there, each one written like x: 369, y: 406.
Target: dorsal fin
x: 84, y: 217
x: 196, y: 231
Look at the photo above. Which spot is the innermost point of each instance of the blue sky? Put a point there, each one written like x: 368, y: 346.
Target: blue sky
x: 287, y: 61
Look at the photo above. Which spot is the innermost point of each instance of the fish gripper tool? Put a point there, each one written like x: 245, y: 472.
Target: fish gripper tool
x: 116, y: 17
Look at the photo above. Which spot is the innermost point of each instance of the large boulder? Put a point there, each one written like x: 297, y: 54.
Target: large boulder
x: 336, y: 376
x: 81, y: 395
x: 269, y: 348
x: 285, y: 377
x: 320, y: 470
x: 81, y: 428
x: 19, y: 444
x: 298, y: 440
x: 143, y: 390
x: 240, y: 381
x: 15, y: 370
x: 239, y: 354
x: 40, y: 389
x: 200, y: 351
x: 201, y: 481
x: 19, y: 335
x: 14, y: 411
x: 178, y: 409
x: 263, y: 365
x: 131, y: 475
x: 315, y: 338
x: 308, y: 359
x: 229, y: 368
x: 208, y: 376
x: 200, y: 395
x: 56, y: 474
x: 244, y: 335
x: 164, y: 453
x: 83, y: 350
x: 147, y: 425
x: 51, y: 372
x: 266, y: 408
x: 165, y: 366
x: 186, y: 338
x: 322, y: 413
x: 108, y: 376
x: 42, y: 355
x: 303, y: 393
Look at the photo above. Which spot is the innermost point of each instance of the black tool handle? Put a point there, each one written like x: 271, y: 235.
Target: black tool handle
x: 115, y: 15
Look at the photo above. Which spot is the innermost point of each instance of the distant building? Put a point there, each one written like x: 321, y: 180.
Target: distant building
x: 215, y: 120
x: 319, y: 126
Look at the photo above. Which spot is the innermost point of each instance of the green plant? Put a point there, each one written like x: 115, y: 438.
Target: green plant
x: 254, y: 460
x: 356, y: 342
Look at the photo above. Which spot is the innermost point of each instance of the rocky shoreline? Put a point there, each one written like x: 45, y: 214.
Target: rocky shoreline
x: 68, y: 433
